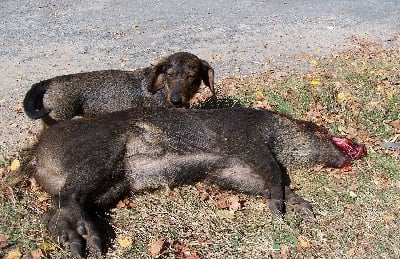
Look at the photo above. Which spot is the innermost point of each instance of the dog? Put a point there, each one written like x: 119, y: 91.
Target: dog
x: 89, y: 164
x: 173, y: 81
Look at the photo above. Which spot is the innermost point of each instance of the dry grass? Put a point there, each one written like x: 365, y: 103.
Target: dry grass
x: 355, y: 93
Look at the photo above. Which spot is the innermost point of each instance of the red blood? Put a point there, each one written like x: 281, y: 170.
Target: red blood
x: 351, y: 149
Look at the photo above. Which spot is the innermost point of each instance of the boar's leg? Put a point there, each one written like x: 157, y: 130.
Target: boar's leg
x: 73, y: 219
x: 277, y: 192
x: 266, y: 167
x: 73, y: 226
x: 256, y: 174
x: 301, y: 207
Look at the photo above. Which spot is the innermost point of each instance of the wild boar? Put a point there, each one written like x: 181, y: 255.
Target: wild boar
x: 88, y: 165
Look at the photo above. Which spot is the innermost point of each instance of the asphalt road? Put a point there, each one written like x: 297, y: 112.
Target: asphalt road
x: 42, y: 39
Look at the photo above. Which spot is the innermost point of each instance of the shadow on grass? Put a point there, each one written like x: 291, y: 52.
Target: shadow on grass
x: 215, y: 102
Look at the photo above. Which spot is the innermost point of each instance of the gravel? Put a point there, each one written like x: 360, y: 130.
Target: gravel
x: 42, y: 39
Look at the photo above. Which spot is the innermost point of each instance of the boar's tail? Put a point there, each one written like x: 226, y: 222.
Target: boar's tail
x: 33, y: 102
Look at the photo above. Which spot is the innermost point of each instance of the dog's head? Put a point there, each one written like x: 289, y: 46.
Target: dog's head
x: 181, y: 75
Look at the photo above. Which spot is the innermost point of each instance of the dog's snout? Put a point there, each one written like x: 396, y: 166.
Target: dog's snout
x: 176, y: 99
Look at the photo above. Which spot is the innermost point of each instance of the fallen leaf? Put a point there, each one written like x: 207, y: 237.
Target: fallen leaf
x: 46, y: 246
x: 315, y: 82
x: 387, y: 218
x: 121, y: 204
x: 183, y: 252
x: 303, y: 242
x: 3, y: 241
x: 379, y: 88
x: 395, y: 124
x: 259, y: 95
x: 284, y: 252
x: 156, y: 247
x: 341, y: 98
x: 37, y: 254
x: 15, y: 164
x: 221, y: 201
x: 44, y: 197
x: 346, y: 169
x: 14, y: 254
x: 314, y: 62
x: 234, y: 203
x: 125, y: 241
x: 203, y: 195
x: 135, y: 26
x: 389, y: 95
x: 353, y: 187
x: 351, y: 252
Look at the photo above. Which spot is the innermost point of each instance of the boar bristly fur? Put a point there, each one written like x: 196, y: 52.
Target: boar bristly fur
x: 90, y: 164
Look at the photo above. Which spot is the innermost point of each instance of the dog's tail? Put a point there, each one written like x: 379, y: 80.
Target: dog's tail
x: 33, y: 102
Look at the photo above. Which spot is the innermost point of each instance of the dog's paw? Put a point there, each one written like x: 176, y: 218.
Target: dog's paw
x: 73, y: 227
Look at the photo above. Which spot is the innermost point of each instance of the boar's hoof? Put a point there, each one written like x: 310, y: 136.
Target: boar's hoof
x: 73, y: 226
x: 300, y: 206
x: 276, y: 207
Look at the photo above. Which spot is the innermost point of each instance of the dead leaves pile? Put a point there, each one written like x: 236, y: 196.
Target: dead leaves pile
x: 216, y: 197
x: 164, y: 247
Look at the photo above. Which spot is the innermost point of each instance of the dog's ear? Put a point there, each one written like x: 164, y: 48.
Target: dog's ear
x: 207, y: 74
x: 157, y: 76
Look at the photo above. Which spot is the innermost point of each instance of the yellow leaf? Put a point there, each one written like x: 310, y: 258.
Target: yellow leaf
x: 314, y: 62
x: 304, y: 243
x: 43, y: 197
x: 46, y: 246
x: 389, y: 95
x: 315, y: 82
x: 13, y: 254
x: 387, y: 218
x: 125, y: 242
x: 341, y: 98
x: 15, y: 164
x: 379, y: 88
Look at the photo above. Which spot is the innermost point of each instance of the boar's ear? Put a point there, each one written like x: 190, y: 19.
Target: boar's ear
x: 157, y: 76
x: 207, y: 74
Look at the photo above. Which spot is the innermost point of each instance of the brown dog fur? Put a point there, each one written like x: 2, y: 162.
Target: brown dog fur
x: 88, y: 165
x: 173, y: 81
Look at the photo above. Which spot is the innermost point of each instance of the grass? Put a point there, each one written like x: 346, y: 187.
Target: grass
x: 355, y: 93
